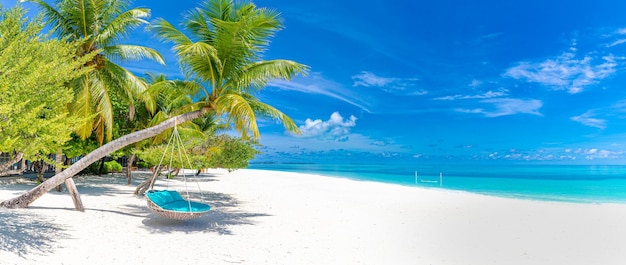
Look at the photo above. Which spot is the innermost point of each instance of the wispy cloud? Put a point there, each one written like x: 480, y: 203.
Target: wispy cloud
x: 388, y: 84
x: 476, y: 83
x: 336, y: 128
x: 315, y: 83
x: 566, y: 71
x: 368, y: 79
x: 491, y: 35
x: 598, y: 117
x: 619, y: 33
x: 588, y: 119
x: 506, y: 106
x: 615, y: 43
x: 485, y: 95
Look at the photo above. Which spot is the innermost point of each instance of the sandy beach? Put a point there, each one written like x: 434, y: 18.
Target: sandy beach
x: 268, y: 217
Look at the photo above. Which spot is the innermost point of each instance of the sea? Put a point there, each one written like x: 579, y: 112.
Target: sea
x: 563, y: 183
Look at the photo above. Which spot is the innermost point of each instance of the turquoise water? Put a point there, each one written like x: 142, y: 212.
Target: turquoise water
x: 572, y: 183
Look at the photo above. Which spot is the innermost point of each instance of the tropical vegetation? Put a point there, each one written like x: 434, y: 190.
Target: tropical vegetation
x: 99, y: 26
x: 34, y: 118
x: 219, y: 49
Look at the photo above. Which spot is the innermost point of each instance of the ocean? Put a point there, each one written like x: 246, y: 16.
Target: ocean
x: 565, y: 183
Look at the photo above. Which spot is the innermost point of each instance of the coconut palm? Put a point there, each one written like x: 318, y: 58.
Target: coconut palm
x: 100, y: 25
x: 221, y: 57
x: 222, y: 54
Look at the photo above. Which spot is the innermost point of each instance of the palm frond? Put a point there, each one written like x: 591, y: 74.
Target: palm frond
x: 60, y: 23
x: 169, y: 33
x: 219, y: 9
x: 83, y: 17
x: 199, y: 25
x: 265, y: 110
x: 240, y: 113
x: 158, y: 118
x: 189, y: 130
x: 201, y: 60
x: 256, y: 75
x: 99, y: 90
x: 132, y: 53
x: 81, y: 107
x: 122, y: 24
x: 128, y: 85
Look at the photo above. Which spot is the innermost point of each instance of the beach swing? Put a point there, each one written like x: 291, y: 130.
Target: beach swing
x: 169, y: 203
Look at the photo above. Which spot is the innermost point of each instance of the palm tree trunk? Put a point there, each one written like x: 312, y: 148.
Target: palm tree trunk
x: 129, y: 167
x: 71, y: 187
x: 69, y: 183
x: 29, y: 197
x: 40, y: 168
x: 59, y: 166
x: 148, y: 183
x: 101, y: 167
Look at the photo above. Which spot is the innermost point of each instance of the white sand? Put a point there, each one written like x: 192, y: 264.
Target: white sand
x: 265, y: 217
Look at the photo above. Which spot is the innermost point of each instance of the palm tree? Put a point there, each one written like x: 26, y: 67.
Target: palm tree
x: 222, y: 61
x: 100, y: 25
x: 222, y: 56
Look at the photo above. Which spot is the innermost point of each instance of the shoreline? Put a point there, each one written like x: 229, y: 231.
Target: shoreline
x: 277, y: 217
x: 586, y: 184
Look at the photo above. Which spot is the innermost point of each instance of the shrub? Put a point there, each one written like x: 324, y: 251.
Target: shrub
x: 112, y: 167
x: 142, y: 164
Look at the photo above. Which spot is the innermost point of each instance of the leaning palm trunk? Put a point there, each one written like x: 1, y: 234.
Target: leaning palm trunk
x: 29, y: 197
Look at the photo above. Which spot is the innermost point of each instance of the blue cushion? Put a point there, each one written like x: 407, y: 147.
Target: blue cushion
x: 171, y: 200
x: 183, y: 206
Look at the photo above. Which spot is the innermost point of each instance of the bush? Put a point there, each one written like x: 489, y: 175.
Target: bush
x: 112, y: 167
x: 142, y: 164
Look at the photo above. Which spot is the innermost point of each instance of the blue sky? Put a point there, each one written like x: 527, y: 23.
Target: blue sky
x: 487, y: 80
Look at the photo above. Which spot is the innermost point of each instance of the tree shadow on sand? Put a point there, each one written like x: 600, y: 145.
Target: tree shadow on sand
x: 219, y: 220
x: 24, y: 233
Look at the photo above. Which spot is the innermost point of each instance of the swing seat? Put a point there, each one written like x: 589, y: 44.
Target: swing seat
x: 170, y: 204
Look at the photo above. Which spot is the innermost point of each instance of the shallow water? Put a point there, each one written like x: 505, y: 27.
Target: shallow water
x: 573, y: 183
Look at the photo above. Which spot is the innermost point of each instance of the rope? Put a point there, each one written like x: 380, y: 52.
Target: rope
x: 179, y: 142
x: 158, y: 168
x: 176, y: 142
x: 197, y: 183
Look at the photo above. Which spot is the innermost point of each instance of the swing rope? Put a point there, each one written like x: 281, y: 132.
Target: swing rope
x: 194, y: 209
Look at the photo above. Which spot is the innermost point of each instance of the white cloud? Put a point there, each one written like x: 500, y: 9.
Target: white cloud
x: 335, y: 128
x: 598, y: 117
x: 615, y: 43
x: 507, y: 106
x: 595, y: 153
x: 475, y: 83
x: 316, y: 84
x: 486, y: 95
x: 565, y: 72
x: 471, y: 111
x: 510, y: 106
x: 588, y: 119
x: 418, y: 93
x: 368, y: 79
x: 388, y: 84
